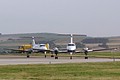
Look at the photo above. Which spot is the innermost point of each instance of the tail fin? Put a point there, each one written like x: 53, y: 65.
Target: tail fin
x: 71, y: 40
x: 33, y: 41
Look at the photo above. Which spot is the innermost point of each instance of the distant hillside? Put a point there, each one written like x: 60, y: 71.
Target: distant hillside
x: 13, y: 40
x: 59, y: 40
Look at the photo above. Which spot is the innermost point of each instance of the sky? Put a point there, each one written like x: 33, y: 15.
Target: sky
x: 97, y: 18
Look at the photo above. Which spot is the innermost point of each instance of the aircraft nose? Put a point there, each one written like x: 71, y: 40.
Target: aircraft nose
x: 71, y: 48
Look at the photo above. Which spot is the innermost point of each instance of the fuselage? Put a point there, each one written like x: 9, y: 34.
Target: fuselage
x: 39, y: 47
x: 71, y: 47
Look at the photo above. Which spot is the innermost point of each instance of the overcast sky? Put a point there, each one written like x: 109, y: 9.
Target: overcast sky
x: 91, y: 17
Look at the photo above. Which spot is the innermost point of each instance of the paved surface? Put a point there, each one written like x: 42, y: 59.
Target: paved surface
x: 41, y: 60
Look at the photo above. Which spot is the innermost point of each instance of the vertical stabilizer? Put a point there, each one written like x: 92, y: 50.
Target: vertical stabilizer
x: 33, y: 41
x: 71, y: 40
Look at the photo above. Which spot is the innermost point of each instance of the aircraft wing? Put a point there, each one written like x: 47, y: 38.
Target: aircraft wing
x: 94, y: 50
x: 39, y: 50
x: 105, y: 49
x: 65, y: 51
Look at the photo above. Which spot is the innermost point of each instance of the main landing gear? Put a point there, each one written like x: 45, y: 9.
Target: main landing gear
x: 45, y: 54
x: 28, y: 54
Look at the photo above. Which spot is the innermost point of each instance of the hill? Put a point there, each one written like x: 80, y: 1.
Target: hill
x: 59, y: 40
x: 14, y: 40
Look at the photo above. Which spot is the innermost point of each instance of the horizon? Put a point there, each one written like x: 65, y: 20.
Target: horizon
x: 58, y: 33
x: 97, y: 18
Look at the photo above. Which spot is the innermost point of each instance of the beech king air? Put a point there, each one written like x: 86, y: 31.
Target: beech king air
x: 71, y: 48
x: 44, y: 48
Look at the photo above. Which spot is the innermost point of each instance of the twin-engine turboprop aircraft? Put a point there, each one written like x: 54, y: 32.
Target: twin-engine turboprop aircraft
x: 29, y: 48
x: 44, y: 48
x: 71, y: 48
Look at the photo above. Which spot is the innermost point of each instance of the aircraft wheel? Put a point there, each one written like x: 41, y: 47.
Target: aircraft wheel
x: 70, y: 57
x: 86, y: 57
x: 52, y: 55
x: 45, y: 56
x: 28, y: 56
x: 56, y: 57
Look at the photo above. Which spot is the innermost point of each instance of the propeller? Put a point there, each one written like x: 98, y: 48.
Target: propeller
x: 86, y: 50
x: 55, y: 50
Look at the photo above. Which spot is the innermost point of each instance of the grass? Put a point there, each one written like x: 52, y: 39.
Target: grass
x: 105, y: 54
x: 91, y: 54
x: 76, y: 71
x: 80, y: 71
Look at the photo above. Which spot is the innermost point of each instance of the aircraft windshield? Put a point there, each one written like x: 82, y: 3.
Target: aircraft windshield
x: 71, y: 44
x: 42, y: 45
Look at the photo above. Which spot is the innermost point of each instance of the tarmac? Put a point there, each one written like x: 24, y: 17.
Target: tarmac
x: 15, y: 60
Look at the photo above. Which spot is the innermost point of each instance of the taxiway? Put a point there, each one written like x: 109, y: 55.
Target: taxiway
x: 15, y: 60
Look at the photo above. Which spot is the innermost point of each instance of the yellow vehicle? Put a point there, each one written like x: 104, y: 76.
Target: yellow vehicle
x: 25, y: 47
x: 22, y: 49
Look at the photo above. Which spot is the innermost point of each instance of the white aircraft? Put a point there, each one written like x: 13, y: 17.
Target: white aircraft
x: 71, y: 48
x: 44, y: 48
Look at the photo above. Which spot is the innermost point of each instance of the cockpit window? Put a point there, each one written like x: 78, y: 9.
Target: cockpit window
x: 42, y: 45
x: 71, y: 44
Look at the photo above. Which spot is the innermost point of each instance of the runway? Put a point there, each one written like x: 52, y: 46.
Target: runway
x: 41, y: 60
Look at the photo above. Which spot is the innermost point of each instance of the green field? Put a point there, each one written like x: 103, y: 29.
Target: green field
x: 80, y: 71
x: 91, y: 54
x: 76, y: 71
